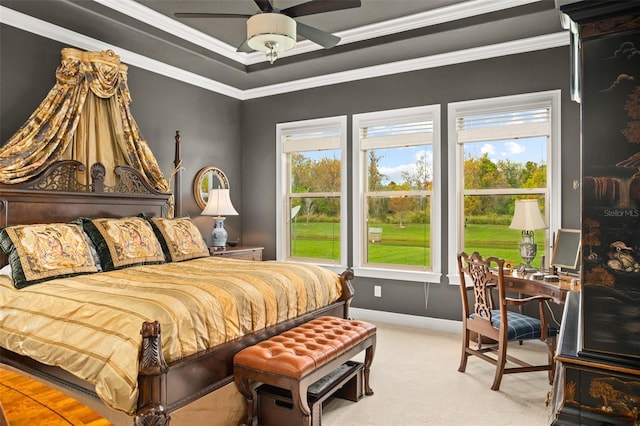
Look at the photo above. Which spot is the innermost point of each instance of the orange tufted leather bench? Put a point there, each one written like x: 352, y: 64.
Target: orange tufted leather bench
x: 297, y: 358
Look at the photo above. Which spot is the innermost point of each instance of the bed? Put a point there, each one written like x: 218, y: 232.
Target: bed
x: 165, y: 380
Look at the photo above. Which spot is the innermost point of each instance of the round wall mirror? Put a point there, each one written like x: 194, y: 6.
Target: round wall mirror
x: 208, y: 178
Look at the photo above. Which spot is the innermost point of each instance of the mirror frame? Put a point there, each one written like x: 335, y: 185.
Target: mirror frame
x: 197, y: 183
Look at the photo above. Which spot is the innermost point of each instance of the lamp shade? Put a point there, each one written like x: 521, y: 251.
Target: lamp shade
x: 271, y: 31
x: 526, y: 216
x: 219, y: 204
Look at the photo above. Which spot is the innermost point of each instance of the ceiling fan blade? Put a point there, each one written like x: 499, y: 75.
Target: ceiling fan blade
x: 323, y: 38
x: 319, y: 6
x: 264, y: 5
x: 210, y: 15
x: 244, y: 47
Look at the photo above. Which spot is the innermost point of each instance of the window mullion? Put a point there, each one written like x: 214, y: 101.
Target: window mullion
x: 506, y: 191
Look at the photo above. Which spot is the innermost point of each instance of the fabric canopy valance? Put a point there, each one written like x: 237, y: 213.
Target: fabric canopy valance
x: 85, y: 117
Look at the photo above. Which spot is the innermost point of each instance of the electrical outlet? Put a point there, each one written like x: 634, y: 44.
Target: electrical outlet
x: 377, y: 291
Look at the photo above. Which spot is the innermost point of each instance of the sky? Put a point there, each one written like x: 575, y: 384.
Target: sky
x: 516, y: 150
x: 394, y: 161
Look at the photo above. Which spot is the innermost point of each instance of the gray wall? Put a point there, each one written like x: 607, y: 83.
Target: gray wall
x: 209, y: 123
x: 239, y: 137
x: 529, y: 72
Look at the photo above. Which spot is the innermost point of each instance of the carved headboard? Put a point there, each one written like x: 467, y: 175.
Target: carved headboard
x: 56, y: 196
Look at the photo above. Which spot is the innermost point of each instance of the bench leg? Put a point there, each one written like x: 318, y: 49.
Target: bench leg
x: 299, y: 397
x: 368, y: 360
x: 245, y: 389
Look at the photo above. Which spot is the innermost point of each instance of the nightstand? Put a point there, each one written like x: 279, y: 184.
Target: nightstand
x: 239, y: 252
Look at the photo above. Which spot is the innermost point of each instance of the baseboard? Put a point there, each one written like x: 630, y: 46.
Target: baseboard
x: 439, y: 324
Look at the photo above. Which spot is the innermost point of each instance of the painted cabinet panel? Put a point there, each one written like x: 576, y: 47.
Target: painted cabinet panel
x: 598, y: 365
x: 611, y: 195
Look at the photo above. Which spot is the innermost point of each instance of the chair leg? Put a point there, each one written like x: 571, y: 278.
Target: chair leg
x: 551, y: 343
x: 465, y: 355
x: 502, y: 360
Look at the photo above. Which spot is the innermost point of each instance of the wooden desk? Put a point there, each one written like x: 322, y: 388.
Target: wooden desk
x: 527, y: 285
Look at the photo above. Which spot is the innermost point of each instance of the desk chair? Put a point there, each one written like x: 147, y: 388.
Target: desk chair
x: 483, y: 318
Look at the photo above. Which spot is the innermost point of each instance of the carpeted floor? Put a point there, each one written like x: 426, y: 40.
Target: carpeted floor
x: 416, y: 382
x: 414, y: 377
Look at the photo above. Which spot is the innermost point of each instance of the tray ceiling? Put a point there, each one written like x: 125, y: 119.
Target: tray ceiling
x: 381, y: 37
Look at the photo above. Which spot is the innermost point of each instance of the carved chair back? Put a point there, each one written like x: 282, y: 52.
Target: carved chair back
x: 476, y: 273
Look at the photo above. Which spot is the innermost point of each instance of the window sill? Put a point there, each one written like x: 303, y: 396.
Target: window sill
x: 454, y: 279
x: 398, y: 275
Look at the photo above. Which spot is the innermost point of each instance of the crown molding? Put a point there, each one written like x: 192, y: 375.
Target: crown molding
x: 63, y: 35
x: 429, y: 18
x: 158, y: 20
x: 530, y: 44
x: 411, y: 22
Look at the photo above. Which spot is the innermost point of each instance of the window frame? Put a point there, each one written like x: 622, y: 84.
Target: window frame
x: 283, y: 222
x: 553, y: 211
x: 359, y: 177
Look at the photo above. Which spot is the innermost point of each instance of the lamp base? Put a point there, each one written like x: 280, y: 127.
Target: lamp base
x: 219, y: 234
x: 528, y: 251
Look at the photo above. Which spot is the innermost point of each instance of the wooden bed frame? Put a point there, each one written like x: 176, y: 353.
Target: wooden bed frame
x: 163, y: 388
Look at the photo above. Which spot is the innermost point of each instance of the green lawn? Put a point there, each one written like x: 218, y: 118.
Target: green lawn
x: 405, y: 246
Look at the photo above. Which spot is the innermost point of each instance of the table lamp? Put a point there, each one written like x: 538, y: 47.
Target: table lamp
x: 219, y: 205
x: 528, y: 219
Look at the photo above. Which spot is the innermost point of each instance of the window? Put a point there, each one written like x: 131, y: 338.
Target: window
x: 396, y: 229
x: 312, y: 206
x: 501, y: 150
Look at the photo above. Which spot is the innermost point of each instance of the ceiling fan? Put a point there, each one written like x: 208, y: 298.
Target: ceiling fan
x: 275, y: 30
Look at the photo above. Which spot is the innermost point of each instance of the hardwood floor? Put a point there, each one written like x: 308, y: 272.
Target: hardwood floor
x: 27, y: 402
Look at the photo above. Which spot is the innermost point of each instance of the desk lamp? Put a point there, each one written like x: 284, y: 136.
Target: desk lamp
x: 528, y: 219
x: 219, y: 205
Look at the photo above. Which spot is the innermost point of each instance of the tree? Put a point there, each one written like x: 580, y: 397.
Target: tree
x: 374, y: 177
x: 308, y: 209
x: 512, y: 172
x: 602, y: 390
x: 326, y: 175
x: 301, y: 173
x: 421, y: 178
x: 632, y: 132
x: 535, y: 175
x: 483, y: 173
x: 377, y: 206
x: 400, y: 204
x: 632, y: 106
x: 309, y: 175
x: 592, y: 238
x: 600, y: 276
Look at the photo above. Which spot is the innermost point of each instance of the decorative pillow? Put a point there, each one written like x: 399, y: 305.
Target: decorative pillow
x: 180, y: 238
x: 46, y: 251
x: 123, y: 242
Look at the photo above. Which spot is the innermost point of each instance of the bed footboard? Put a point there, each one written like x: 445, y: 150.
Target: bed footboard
x: 152, y: 380
x: 347, y: 290
x: 199, y: 374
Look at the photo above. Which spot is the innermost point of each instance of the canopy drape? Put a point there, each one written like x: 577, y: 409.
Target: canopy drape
x: 85, y: 117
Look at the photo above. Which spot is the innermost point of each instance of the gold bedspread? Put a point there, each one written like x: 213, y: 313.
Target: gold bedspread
x: 90, y: 324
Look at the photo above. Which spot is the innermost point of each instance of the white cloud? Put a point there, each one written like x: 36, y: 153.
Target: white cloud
x: 514, y: 148
x: 394, y: 174
x: 488, y: 149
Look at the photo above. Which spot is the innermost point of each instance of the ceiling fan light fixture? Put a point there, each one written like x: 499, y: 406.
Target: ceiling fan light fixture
x: 271, y: 33
x: 272, y: 54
